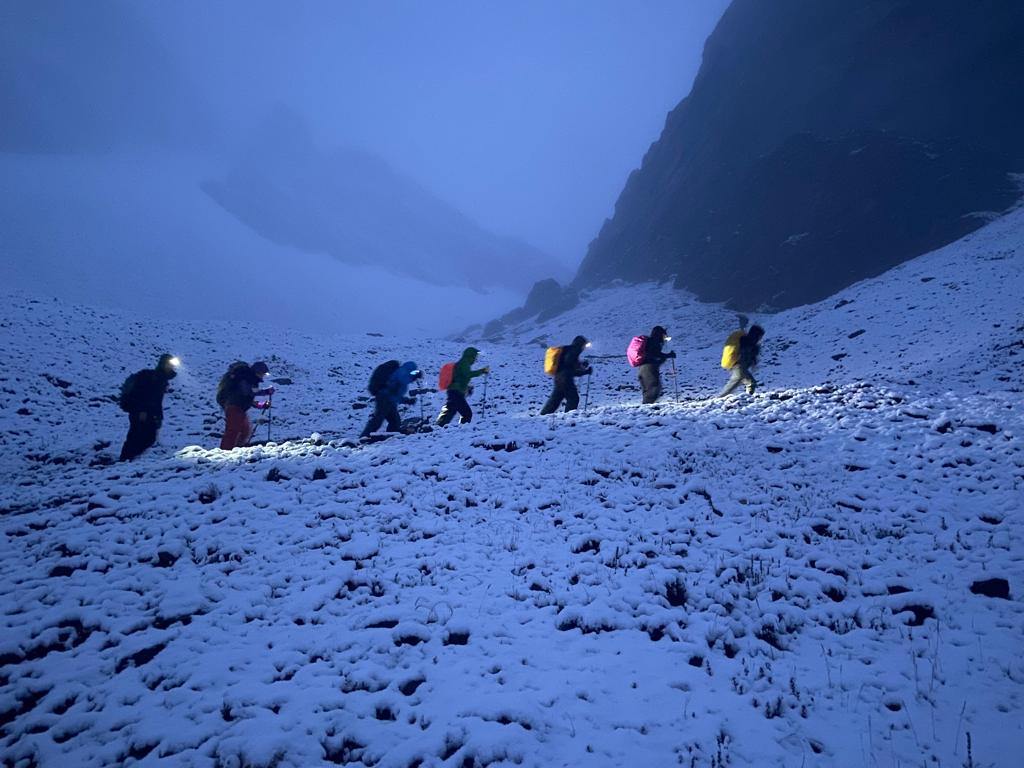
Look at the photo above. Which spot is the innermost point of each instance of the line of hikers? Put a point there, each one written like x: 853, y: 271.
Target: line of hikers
x: 142, y: 393
x: 142, y: 398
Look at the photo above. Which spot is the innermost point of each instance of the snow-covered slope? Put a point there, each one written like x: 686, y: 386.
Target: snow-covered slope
x: 955, y: 312
x: 780, y: 580
x: 138, y: 233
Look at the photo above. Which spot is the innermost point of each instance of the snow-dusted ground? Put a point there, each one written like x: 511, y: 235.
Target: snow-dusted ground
x: 781, y: 580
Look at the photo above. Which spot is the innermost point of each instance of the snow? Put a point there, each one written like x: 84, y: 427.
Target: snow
x: 776, y: 580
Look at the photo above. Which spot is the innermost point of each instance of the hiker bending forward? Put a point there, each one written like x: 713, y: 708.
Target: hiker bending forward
x: 569, y: 367
x: 455, y: 402
x: 387, y: 398
x: 142, y: 397
x: 744, y: 358
x: 649, y: 371
x: 236, y: 394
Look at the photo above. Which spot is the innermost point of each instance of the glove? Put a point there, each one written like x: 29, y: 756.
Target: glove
x: 672, y: 354
x: 487, y: 369
x: 268, y: 391
x: 261, y: 406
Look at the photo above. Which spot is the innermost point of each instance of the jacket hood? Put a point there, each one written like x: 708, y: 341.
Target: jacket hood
x: 408, y: 369
x: 579, y: 342
x: 165, y: 366
x: 470, y: 354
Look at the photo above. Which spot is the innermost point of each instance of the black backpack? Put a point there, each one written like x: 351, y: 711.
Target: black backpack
x: 125, y: 399
x: 229, y: 382
x: 381, y: 374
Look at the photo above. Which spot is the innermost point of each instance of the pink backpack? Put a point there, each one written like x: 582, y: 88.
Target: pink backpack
x: 635, y: 351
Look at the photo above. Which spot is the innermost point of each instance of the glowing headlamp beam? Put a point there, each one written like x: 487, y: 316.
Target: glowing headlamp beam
x: 175, y: 362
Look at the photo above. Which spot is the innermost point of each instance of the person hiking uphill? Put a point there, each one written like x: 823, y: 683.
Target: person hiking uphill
x: 568, y: 367
x: 388, y: 395
x: 142, y: 398
x: 462, y: 375
x: 236, y: 394
x: 739, y: 356
x: 648, y: 355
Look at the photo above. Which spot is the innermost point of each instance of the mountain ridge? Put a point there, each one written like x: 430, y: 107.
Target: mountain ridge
x: 927, y: 90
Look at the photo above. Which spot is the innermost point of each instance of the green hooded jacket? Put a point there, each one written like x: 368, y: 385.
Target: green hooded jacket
x: 464, y: 372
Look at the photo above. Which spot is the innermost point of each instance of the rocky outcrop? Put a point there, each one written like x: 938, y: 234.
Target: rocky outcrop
x: 546, y: 299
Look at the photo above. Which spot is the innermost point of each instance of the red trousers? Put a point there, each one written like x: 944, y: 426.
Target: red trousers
x: 237, y: 429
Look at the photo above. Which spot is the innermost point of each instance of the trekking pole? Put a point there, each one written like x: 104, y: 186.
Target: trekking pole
x: 483, y: 404
x: 586, y: 393
x: 675, y: 379
x: 270, y: 414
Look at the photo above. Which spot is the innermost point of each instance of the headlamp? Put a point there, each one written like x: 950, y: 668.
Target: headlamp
x: 175, y: 362
x: 588, y: 345
x: 668, y: 338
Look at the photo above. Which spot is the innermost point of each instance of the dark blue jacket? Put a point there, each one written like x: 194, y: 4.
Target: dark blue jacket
x: 398, y: 383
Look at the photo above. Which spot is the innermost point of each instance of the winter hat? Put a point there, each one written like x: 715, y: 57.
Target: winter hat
x: 167, y: 365
x: 579, y: 341
x: 659, y: 330
x: 260, y: 368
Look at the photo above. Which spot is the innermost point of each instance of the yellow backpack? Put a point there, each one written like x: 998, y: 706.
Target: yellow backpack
x: 731, y: 350
x: 551, y: 360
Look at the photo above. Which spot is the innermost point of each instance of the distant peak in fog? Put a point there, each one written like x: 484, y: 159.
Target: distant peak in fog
x: 354, y: 206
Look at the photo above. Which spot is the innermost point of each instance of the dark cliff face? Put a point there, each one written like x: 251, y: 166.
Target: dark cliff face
x: 823, y: 142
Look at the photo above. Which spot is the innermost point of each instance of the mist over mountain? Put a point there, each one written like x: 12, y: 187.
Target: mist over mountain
x: 823, y: 142
x: 352, y: 205
x: 116, y: 162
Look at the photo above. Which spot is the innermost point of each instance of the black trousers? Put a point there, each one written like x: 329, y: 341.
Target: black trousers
x: 384, y: 409
x: 565, y: 389
x: 455, y: 404
x: 650, y: 382
x: 141, y: 435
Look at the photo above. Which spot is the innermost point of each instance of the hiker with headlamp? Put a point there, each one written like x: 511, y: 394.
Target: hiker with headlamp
x: 142, y: 398
x: 646, y: 354
x: 236, y: 394
x: 565, y: 365
x: 389, y: 385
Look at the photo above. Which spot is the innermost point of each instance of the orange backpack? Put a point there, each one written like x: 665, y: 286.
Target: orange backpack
x: 445, y: 379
